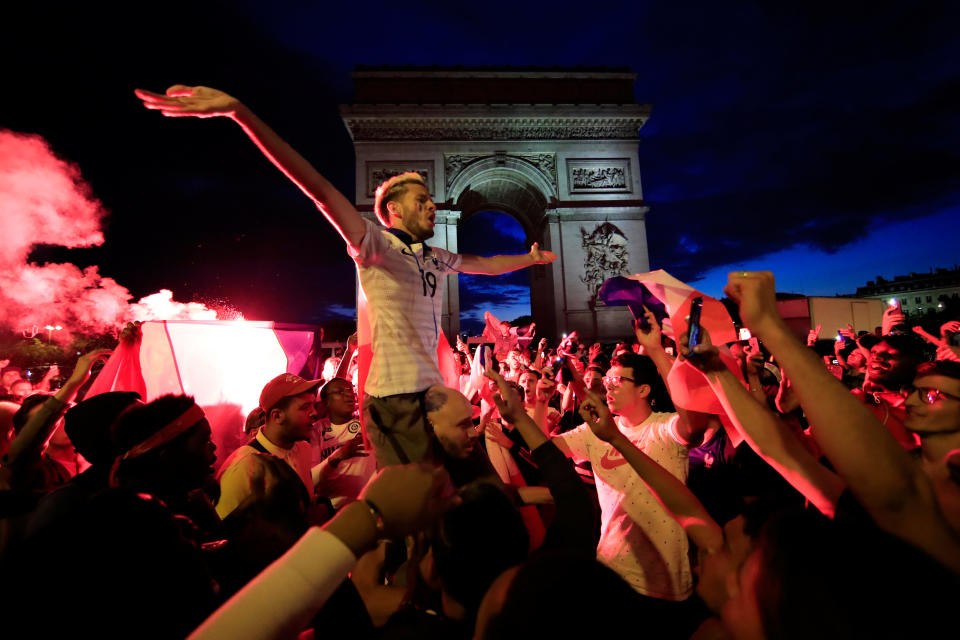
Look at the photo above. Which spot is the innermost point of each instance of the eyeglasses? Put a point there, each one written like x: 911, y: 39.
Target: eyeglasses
x: 614, y: 382
x: 927, y: 394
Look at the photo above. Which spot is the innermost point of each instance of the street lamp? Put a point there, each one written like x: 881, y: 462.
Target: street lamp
x: 50, y: 329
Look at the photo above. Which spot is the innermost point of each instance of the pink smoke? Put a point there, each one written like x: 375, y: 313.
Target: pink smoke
x: 44, y: 200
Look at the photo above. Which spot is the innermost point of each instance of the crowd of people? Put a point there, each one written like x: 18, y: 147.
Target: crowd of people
x: 552, y: 490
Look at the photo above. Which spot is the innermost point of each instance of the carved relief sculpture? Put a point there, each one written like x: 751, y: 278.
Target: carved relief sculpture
x: 378, y: 172
x: 603, y: 175
x: 602, y: 178
x: 605, y: 256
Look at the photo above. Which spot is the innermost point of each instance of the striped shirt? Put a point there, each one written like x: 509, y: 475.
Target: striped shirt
x: 404, y: 286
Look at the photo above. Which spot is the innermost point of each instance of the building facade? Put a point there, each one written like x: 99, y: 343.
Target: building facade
x: 554, y: 149
x: 918, y: 293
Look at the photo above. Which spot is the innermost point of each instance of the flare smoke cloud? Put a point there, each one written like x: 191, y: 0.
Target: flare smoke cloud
x: 44, y: 200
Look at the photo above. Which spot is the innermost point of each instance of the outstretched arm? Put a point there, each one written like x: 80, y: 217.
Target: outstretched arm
x: 496, y: 265
x: 344, y: 367
x: 764, y: 432
x: 204, y: 102
x: 29, y: 442
x: 889, y: 485
x: 691, y: 424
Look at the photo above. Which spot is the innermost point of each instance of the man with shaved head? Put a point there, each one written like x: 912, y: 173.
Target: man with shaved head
x: 450, y: 415
x: 454, y: 439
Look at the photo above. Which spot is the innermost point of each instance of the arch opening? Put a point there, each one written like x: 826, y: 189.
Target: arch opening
x: 489, y: 232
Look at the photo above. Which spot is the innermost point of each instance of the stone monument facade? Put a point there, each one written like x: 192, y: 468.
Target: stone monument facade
x: 555, y: 149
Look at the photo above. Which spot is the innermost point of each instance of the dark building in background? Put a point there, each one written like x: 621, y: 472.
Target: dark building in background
x: 918, y: 292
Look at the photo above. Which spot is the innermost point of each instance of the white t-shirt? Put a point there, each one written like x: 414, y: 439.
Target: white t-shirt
x: 639, y: 539
x: 404, y: 287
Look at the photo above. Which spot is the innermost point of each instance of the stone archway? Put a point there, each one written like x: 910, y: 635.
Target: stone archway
x: 556, y: 150
x: 520, y: 186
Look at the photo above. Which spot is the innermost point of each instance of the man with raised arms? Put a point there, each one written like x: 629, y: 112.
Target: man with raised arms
x: 401, y: 276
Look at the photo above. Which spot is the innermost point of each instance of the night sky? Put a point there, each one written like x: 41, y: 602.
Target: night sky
x: 817, y: 140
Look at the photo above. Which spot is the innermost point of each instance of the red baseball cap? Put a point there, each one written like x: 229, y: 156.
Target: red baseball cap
x: 283, y: 386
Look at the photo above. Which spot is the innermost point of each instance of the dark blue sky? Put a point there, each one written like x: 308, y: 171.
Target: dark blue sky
x: 818, y: 140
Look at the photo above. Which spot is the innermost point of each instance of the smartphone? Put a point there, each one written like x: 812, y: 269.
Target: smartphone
x: 694, y: 327
x: 841, y: 338
x: 745, y: 334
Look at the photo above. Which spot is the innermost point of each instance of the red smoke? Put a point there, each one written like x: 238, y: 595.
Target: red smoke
x: 44, y: 200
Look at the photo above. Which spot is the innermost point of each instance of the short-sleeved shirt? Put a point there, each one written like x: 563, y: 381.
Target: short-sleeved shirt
x: 404, y: 286
x: 639, y: 539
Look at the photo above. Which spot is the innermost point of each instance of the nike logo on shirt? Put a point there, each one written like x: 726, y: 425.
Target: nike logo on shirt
x: 609, y: 461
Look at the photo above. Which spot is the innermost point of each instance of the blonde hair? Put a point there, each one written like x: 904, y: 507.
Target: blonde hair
x: 393, y: 189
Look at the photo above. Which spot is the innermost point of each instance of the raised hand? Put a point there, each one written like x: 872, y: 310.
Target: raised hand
x: 953, y: 326
x: 813, y: 336
x: 541, y: 256
x: 892, y: 316
x: 546, y: 387
x: 594, y: 351
x: 704, y: 356
x: 649, y: 339
x: 848, y: 332
x: 596, y: 414
x: 508, y: 400
x: 131, y: 333
x: 85, y: 363
x: 566, y: 347
x: 755, y: 294
x: 183, y: 101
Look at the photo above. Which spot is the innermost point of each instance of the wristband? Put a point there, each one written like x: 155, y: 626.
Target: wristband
x: 379, y: 525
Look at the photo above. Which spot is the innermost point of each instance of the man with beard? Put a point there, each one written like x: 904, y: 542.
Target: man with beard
x: 288, y: 403
x: 402, y: 277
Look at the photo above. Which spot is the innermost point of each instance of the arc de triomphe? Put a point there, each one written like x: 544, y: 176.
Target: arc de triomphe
x: 555, y: 149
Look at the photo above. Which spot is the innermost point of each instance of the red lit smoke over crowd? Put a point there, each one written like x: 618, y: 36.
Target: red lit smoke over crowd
x: 44, y: 200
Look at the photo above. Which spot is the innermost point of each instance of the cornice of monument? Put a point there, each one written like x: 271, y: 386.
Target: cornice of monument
x: 502, y: 72
x: 379, y: 122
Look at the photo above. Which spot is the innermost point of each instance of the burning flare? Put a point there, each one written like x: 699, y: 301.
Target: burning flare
x: 44, y: 200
